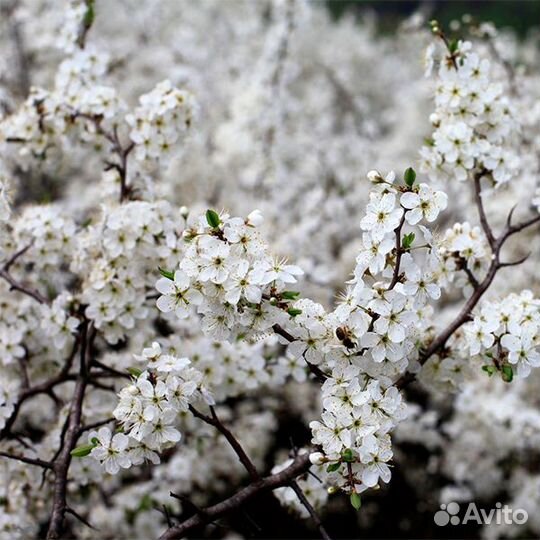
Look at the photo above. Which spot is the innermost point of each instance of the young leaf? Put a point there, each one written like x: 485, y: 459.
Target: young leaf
x: 347, y: 455
x: 408, y: 240
x: 82, y: 451
x: 89, y: 15
x: 409, y: 176
x: 135, y: 372
x: 489, y: 369
x: 356, y: 502
x: 290, y: 295
x: 293, y: 312
x: 333, y: 467
x: 166, y: 273
x: 507, y: 373
x: 212, y: 218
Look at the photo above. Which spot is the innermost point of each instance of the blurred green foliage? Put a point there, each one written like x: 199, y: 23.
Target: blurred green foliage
x: 521, y: 15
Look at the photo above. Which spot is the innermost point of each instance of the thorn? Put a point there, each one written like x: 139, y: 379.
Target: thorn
x: 509, y: 218
x: 75, y: 514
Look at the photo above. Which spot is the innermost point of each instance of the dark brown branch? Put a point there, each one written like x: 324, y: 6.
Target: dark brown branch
x: 11, y: 261
x: 316, y: 370
x: 312, y: 512
x: 466, y: 312
x: 63, y: 460
x: 84, y: 521
x: 111, y: 370
x: 517, y: 262
x: 43, y: 388
x: 399, y: 253
x: 231, y: 439
x: 17, y: 286
x: 121, y: 151
x: 94, y: 425
x: 472, y: 278
x: 281, y: 479
x: 481, y: 212
x: 30, y: 461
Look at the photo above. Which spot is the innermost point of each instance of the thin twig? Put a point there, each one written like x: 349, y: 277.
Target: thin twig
x: 312, y: 512
x: 30, y: 461
x: 466, y: 312
x: 399, y: 253
x: 231, y: 439
x: 84, y: 521
x: 481, y: 211
x: 316, y: 370
x: 281, y: 479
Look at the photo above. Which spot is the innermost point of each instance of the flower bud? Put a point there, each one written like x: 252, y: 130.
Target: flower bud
x: 375, y: 177
x: 255, y: 218
x: 317, y: 458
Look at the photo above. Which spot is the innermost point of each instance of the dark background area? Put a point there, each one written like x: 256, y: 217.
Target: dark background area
x: 520, y: 15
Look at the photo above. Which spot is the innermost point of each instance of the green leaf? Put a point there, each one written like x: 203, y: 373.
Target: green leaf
x: 453, y: 46
x: 409, y: 176
x: 293, y: 312
x: 347, y: 455
x: 333, y: 467
x: 408, y: 240
x: 489, y: 369
x: 166, y: 273
x: 212, y: 218
x: 135, y: 372
x: 290, y: 295
x: 90, y: 14
x: 82, y: 451
x: 356, y: 502
x: 507, y: 373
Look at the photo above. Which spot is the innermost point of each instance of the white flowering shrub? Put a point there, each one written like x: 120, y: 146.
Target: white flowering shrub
x: 224, y: 286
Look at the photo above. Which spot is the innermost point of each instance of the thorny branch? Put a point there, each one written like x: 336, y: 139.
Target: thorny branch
x: 300, y: 465
x: 464, y: 315
x: 231, y: 439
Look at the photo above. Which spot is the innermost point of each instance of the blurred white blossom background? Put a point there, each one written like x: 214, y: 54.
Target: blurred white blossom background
x: 375, y: 307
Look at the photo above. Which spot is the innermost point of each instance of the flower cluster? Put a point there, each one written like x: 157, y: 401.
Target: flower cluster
x: 70, y: 29
x: 227, y: 274
x: 464, y: 249
x: 57, y: 322
x: 164, y: 116
x: 506, y: 334
x: 148, y: 411
x: 473, y: 120
x: 371, y: 334
x: 114, y: 289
